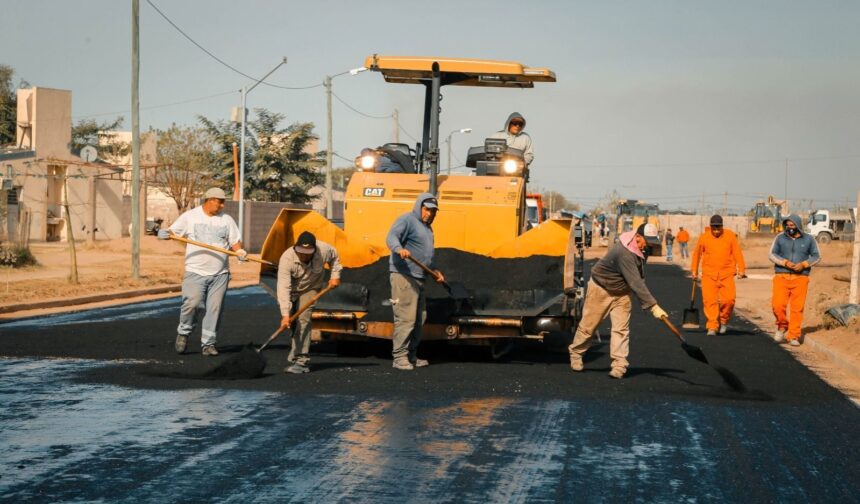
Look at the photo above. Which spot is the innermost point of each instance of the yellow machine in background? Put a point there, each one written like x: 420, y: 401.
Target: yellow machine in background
x: 766, y: 216
x: 630, y: 214
x: 483, y: 214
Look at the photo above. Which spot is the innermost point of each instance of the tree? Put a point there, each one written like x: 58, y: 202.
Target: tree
x: 555, y: 201
x: 101, y: 136
x: 8, y: 104
x: 188, y: 162
x: 278, y: 166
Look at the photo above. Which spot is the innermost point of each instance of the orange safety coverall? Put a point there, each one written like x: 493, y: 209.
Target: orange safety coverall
x: 721, y: 259
x: 682, y: 236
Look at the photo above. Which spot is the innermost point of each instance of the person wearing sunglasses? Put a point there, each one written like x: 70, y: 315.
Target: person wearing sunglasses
x: 516, y: 137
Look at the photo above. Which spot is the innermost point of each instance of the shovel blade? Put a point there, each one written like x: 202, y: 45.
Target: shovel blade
x: 691, y: 319
x: 457, y: 290
x: 695, y: 352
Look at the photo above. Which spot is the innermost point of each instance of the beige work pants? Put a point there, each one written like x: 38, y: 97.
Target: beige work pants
x: 598, y: 303
x: 407, y: 301
x: 301, y: 329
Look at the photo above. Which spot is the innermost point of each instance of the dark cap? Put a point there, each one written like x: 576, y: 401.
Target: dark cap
x: 716, y: 220
x: 431, y: 203
x: 306, y: 244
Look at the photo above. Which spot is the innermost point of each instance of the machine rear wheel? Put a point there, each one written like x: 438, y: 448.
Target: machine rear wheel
x: 824, y: 238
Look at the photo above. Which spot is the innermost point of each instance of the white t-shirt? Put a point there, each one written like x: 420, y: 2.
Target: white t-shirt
x: 218, y: 230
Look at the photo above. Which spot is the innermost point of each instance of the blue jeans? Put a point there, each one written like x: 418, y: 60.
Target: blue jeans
x: 208, y: 291
x: 669, y: 251
x: 684, y: 253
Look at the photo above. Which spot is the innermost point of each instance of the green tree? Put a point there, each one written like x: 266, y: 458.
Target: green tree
x: 9, y: 104
x: 102, y: 136
x: 555, y: 201
x: 188, y: 164
x: 277, y: 164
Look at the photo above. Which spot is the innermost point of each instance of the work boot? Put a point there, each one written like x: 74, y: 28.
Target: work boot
x: 297, y: 368
x: 794, y: 342
x: 712, y: 332
x: 779, y: 336
x: 181, y: 343
x: 419, y: 362
x: 617, y: 373
x: 209, y: 351
x: 723, y: 328
x: 576, y: 363
x: 402, y: 365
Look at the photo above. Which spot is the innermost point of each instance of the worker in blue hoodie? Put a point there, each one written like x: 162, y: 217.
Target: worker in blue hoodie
x: 516, y: 137
x: 411, y: 235
x: 793, y: 254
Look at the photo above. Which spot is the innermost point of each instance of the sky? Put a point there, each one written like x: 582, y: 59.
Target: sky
x: 689, y: 104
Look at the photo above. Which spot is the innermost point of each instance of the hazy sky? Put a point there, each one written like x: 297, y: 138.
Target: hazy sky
x: 665, y: 101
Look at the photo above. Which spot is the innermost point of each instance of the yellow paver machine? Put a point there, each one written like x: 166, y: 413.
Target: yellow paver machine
x: 514, y: 276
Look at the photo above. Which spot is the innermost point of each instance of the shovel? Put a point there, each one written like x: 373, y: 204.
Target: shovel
x: 457, y: 291
x: 217, y: 249
x: 691, y: 315
x: 294, y: 316
x: 695, y: 352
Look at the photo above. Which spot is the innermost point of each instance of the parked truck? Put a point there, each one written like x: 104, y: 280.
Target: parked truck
x: 826, y: 225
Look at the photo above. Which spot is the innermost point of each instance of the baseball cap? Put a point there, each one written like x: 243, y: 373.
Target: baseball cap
x: 647, y: 230
x: 716, y: 220
x: 214, y: 192
x: 430, y: 203
x: 306, y: 244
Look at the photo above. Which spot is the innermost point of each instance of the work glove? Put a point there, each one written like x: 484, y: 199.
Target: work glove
x: 242, y: 255
x: 658, y: 312
x: 741, y: 276
x: 163, y: 234
x: 334, y: 282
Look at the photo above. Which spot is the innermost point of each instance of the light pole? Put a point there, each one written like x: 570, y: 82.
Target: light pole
x: 329, y: 201
x: 245, y: 91
x: 464, y: 130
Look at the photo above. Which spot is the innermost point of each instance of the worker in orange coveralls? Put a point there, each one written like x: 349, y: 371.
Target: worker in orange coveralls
x: 722, y: 259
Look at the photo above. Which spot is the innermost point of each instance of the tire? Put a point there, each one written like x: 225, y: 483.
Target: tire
x: 824, y: 238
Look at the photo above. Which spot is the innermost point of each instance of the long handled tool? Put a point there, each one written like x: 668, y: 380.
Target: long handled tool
x: 294, y: 316
x: 695, y: 352
x: 691, y: 315
x: 217, y: 249
x: 456, y: 292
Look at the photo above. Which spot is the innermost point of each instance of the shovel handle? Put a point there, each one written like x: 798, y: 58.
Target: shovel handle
x: 294, y: 316
x: 693, y: 294
x: 674, y: 329
x: 423, y: 266
x: 216, y: 249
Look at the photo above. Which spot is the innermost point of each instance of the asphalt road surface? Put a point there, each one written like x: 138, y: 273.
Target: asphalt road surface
x: 112, y: 418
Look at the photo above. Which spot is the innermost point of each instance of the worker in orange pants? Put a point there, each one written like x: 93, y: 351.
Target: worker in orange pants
x: 789, y: 291
x: 720, y: 254
x: 793, y: 254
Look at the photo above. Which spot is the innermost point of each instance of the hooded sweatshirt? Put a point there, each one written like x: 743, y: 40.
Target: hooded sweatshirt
x: 798, y: 249
x: 521, y: 140
x: 622, y: 270
x: 410, y: 232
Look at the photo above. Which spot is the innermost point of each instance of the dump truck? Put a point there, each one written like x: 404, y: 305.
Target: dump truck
x: 521, y: 280
x: 631, y: 213
x: 827, y: 226
x: 766, y: 217
x: 535, y: 211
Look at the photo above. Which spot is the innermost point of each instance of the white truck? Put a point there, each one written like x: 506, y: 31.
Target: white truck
x: 826, y: 226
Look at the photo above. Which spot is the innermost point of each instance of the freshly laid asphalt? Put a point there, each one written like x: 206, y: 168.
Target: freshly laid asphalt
x: 466, y: 428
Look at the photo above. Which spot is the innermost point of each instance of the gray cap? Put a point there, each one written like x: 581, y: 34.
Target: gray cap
x: 214, y: 192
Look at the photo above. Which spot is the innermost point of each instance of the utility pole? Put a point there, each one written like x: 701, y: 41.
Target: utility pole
x: 785, y: 193
x: 70, y: 235
x: 329, y: 201
x: 396, y: 117
x: 135, y: 140
x: 854, y: 292
x: 725, y: 202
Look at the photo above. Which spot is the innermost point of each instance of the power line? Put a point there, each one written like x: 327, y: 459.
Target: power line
x: 347, y: 105
x: 152, y: 107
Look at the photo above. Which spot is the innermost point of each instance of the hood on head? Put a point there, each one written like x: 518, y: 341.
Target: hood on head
x: 515, y: 115
x: 796, y: 220
x: 416, y: 209
x: 628, y: 239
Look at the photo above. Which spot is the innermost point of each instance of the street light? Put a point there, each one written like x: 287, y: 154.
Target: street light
x: 245, y: 91
x: 464, y: 130
x: 329, y: 202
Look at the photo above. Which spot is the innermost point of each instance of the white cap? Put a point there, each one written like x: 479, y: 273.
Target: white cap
x: 650, y: 231
x: 214, y: 192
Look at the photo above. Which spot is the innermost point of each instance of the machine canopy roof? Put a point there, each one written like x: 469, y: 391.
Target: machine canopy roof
x: 458, y: 71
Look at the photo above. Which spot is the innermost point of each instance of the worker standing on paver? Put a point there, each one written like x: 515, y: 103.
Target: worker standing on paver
x: 207, y: 272
x: 793, y: 253
x: 516, y: 137
x: 683, y: 238
x: 720, y: 254
x: 618, y: 274
x: 411, y: 235
x: 301, y: 275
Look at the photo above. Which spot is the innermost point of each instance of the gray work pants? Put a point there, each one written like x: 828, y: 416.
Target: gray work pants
x: 598, y: 303
x: 197, y: 290
x: 301, y: 329
x: 407, y: 301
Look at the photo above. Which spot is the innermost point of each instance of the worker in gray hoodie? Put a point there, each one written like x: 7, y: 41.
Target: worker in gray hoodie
x: 516, y: 137
x: 411, y: 235
x: 620, y: 273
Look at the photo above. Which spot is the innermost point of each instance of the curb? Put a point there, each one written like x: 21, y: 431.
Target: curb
x: 844, y: 363
x: 89, y: 299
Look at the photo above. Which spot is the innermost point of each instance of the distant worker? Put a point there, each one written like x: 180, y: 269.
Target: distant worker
x: 207, y: 272
x: 721, y: 257
x: 670, y: 240
x: 383, y: 163
x: 516, y: 137
x: 618, y: 274
x: 301, y: 275
x: 793, y: 253
x: 411, y: 235
x: 683, y: 239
